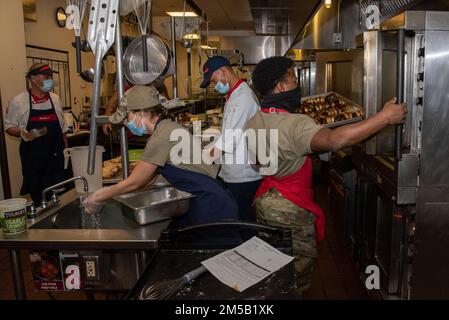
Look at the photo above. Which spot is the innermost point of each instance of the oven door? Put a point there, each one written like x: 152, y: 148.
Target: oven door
x: 389, y: 245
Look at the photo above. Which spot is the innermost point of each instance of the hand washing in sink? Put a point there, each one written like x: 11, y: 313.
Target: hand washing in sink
x: 72, y: 216
x: 125, y: 212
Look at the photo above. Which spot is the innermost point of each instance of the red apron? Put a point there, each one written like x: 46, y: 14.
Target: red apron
x: 296, y: 188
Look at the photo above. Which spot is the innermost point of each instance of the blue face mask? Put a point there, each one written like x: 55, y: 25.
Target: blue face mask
x: 221, y: 87
x: 135, y: 130
x: 47, y: 85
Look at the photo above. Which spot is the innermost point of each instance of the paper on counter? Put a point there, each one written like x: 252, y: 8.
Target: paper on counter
x: 247, y: 264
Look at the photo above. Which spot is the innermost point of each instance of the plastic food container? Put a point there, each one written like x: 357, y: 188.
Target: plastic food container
x: 13, y: 216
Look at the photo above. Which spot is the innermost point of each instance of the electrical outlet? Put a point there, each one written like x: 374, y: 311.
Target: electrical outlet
x: 91, y: 266
x: 337, y: 38
x: 90, y: 269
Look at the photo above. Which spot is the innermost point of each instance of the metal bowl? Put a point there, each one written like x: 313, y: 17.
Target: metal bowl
x: 159, y: 60
x: 89, y: 74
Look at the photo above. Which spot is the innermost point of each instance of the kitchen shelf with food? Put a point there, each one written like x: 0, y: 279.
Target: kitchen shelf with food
x: 113, y: 173
x: 113, y: 170
x: 331, y: 109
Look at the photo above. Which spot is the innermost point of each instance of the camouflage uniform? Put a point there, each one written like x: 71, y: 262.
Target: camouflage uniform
x: 274, y: 210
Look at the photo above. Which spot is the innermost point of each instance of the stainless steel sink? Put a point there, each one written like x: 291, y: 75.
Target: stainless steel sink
x: 158, y: 202
x: 72, y: 216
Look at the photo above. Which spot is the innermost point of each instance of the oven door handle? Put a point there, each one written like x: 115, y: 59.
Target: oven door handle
x: 400, y: 78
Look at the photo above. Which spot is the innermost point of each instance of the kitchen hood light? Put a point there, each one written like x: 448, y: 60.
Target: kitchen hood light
x: 191, y: 36
x: 328, y: 3
x: 181, y: 14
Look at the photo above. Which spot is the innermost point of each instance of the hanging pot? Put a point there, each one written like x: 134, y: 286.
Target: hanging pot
x: 158, y: 57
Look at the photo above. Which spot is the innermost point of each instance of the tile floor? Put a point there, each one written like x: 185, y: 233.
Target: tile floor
x: 335, y: 276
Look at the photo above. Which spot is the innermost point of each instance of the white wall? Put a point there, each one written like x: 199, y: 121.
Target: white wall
x: 46, y: 33
x: 12, y: 75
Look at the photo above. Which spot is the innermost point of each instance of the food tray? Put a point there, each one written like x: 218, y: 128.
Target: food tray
x: 112, y: 169
x: 154, y: 204
x: 342, y: 123
x: 340, y: 97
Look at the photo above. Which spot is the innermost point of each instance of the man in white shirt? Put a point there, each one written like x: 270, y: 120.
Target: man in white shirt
x: 37, y: 117
x: 241, y: 105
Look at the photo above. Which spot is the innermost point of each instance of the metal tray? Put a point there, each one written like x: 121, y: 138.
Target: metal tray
x: 156, y: 184
x: 160, y: 182
x: 154, y: 204
x: 342, y: 122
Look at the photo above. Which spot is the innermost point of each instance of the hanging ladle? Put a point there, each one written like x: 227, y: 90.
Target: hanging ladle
x: 76, y: 9
x: 142, y: 9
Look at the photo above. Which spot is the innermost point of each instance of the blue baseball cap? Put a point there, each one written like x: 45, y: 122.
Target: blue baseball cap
x: 213, y: 64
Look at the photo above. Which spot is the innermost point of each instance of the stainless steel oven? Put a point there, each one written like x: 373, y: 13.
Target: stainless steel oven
x: 306, y: 73
x: 408, y: 59
x: 342, y: 185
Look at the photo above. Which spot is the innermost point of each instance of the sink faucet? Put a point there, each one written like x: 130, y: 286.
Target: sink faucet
x: 60, y: 184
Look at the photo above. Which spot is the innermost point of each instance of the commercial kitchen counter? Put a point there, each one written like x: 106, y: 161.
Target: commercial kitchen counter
x: 65, y: 227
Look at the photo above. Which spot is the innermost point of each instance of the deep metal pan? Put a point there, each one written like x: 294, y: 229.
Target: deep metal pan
x: 155, y: 204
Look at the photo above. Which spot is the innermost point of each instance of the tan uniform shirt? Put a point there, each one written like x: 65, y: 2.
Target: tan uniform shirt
x: 158, y: 149
x: 295, y: 133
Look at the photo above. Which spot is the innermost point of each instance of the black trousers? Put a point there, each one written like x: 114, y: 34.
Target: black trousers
x: 244, y: 195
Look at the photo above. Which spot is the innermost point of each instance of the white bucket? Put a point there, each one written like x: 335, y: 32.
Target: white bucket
x: 79, y: 156
x: 13, y: 216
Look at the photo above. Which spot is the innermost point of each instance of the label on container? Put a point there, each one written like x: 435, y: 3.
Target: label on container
x: 13, y: 222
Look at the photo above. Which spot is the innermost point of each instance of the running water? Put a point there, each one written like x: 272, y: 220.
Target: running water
x: 90, y: 221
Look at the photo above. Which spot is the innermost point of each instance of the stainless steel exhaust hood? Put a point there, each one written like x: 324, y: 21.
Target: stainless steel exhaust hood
x: 281, y: 17
x: 331, y: 28
x: 256, y: 48
x: 276, y: 25
x: 336, y: 27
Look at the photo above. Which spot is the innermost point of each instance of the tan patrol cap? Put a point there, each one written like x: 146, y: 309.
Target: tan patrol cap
x: 135, y: 99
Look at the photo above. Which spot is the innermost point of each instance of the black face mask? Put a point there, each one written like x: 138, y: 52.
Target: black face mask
x: 288, y: 100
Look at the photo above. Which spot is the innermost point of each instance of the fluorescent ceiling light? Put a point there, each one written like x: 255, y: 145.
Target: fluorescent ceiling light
x: 181, y: 14
x: 191, y: 36
x: 208, y: 47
